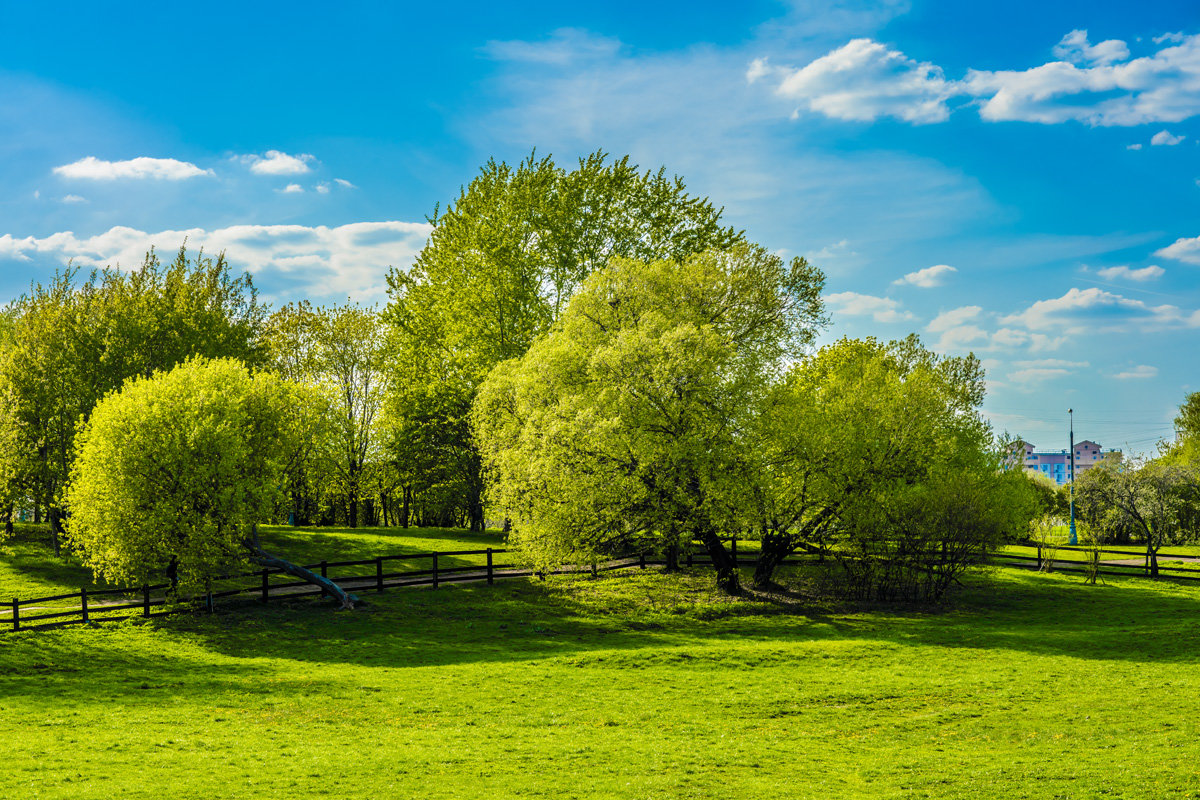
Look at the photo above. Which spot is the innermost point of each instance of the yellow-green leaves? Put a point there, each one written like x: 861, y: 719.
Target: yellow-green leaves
x: 621, y: 428
x: 180, y: 465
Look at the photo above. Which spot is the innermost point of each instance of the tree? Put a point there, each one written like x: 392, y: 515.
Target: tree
x: 1151, y: 501
x: 877, y: 455
x: 175, y: 471
x: 339, y: 351
x: 72, y: 342
x: 500, y: 266
x: 621, y: 428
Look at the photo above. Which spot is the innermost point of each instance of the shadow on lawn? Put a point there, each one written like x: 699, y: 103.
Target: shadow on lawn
x: 617, y: 620
x: 1129, y: 620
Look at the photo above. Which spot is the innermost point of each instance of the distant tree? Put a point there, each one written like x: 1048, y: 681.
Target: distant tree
x: 624, y: 426
x: 502, y: 263
x: 1151, y: 501
x: 175, y: 470
x: 339, y: 351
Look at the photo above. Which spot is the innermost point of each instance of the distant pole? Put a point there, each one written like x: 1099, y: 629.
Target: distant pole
x: 1074, y: 539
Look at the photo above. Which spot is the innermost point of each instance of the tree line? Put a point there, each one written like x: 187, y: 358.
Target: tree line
x: 589, y: 357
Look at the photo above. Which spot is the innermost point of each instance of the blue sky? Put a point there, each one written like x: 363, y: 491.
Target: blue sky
x: 1016, y: 179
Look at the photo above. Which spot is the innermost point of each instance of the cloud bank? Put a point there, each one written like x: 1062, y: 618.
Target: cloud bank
x: 287, y: 260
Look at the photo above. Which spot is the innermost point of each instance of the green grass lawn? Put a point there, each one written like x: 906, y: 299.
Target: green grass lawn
x: 632, y: 685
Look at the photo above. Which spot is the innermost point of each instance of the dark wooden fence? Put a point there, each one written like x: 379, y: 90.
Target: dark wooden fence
x: 155, y: 600
x: 1045, y: 557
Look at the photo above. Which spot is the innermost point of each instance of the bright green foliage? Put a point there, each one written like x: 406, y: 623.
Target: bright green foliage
x: 338, y: 351
x: 69, y: 343
x: 181, y: 465
x: 1152, y: 502
x: 877, y: 454
x: 625, y: 425
x: 500, y: 266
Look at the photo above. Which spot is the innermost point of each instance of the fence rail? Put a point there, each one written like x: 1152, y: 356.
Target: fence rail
x: 154, y: 600
x: 15, y: 616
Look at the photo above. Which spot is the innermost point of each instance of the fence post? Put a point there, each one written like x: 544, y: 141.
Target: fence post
x: 379, y: 573
x: 593, y: 569
x: 83, y: 603
x: 16, y: 614
x: 489, y: 554
x: 642, y: 560
x: 435, y: 570
x: 324, y: 569
x: 689, y: 558
x: 266, y: 586
x: 145, y: 599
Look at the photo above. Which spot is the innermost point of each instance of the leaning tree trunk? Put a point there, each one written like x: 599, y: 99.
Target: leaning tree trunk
x: 265, y: 559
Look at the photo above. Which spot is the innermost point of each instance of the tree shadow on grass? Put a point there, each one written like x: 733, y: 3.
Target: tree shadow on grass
x: 628, y: 620
x: 1126, y: 620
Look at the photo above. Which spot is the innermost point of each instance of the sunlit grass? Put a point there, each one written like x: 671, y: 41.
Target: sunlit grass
x: 634, y: 684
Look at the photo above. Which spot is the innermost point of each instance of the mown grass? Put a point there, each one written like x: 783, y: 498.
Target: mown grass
x: 633, y: 684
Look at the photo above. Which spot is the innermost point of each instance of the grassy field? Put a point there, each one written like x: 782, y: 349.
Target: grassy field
x: 634, y: 684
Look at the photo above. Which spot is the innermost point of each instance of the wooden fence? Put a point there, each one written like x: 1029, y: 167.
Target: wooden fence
x: 154, y: 600
x: 1045, y: 558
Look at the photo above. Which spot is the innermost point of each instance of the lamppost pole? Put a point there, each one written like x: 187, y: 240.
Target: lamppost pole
x: 1074, y: 539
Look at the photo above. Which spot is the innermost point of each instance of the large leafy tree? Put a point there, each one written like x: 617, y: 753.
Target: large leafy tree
x: 70, y: 342
x: 876, y: 453
x: 625, y: 425
x: 500, y: 266
x: 175, y: 471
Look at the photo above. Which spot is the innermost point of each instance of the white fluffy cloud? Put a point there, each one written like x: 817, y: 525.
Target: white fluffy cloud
x: 1074, y: 47
x: 864, y: 80
x: 321, y: 262
x: 1098, y: 84
x: 1144, y: 274
x: 953, y: 318
x: 1140, y: 372
x: 275, y: 162
x: 1183, y: 249
x: 926, y: 278
x: 1166, y: 138
x: 880, y: 309
x: 96, y: 169
x: 292, y: 188
x: 1093, y: 310
x: 1041, y: 370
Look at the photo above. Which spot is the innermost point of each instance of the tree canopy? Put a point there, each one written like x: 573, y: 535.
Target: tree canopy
x: 501, y: 264
x: 623, y: 425
x: 876, y: 454
x: 70, y: 342
x: 176, y: 470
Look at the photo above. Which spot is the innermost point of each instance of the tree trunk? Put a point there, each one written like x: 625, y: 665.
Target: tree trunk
x: 265, y: 559
x: 727, y: 574
x: 8, y: 520
x: 404, y: 509
x: 671, y: 558
x: 54, y: 514
x: 769, y: 558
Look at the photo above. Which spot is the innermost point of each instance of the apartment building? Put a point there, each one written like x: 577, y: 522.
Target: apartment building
x: 1056, y: 464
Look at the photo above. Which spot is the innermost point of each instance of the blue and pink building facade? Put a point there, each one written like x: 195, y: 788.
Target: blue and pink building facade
x: 1056, y: 464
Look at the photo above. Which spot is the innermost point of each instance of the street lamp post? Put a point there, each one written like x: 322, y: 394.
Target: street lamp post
x: 1074, y: 539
